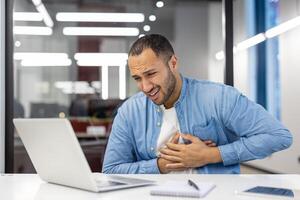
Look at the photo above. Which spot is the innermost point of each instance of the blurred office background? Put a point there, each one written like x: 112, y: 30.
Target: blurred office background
x: 70, y: 60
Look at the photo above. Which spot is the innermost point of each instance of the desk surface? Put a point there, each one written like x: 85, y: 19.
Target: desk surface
x: 30, y: 186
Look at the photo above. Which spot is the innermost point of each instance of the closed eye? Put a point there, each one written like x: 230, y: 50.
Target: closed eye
x: 151, y: 74
x: 137, y: 78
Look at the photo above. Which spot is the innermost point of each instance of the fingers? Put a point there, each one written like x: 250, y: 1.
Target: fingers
x: 174, y: 166
x: 175, y: 138
x: 175, y: 147
x: 180, y: 169
x: 189, y: 137
x: 170, y: 158
x: 210, y: 143
x: 169, y: 152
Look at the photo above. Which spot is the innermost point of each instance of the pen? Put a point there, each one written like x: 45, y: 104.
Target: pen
x: 193, y: 184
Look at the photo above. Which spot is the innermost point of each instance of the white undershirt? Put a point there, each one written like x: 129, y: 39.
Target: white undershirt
x: 169, y: 127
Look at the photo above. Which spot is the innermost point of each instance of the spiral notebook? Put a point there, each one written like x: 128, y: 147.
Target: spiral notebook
x: 183, y: 189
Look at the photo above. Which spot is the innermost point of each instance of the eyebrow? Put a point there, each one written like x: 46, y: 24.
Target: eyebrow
x: 149, y: 71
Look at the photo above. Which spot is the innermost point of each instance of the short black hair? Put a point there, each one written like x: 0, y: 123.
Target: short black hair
x: 158, y: 43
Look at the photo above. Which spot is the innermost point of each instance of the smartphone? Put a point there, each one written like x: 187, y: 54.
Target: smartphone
x: 271, y: 192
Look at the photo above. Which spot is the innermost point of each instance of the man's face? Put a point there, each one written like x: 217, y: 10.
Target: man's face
x: 153, y: 75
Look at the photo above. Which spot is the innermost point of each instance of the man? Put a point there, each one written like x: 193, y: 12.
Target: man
x: 185, y: 125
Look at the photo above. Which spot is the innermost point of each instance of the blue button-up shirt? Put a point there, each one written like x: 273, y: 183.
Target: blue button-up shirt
x: 242, y: 129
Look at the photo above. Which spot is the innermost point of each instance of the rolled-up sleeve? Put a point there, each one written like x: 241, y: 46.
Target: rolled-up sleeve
x: 259, y: 134
x: 119, y: 156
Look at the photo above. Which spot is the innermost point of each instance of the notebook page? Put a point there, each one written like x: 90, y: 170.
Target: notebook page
x: 182, y: 189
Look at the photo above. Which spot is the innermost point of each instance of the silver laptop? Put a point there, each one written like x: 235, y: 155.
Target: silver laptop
x: 58, y: 158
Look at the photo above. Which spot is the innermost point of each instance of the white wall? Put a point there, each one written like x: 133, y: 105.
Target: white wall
x: 2, y: 88
x: 241, y: 65
x: 191, y: 38
x: 215, y: 42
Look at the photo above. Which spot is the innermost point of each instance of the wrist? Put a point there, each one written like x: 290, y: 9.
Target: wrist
x: 213, y: 155
x: 160, y: 166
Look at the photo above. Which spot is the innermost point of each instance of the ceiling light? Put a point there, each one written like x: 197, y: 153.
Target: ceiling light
x: 27, y: 16
x: 251, y: 42
x: 99, y: 17
x: 101, y: 31
x: 146, y: 28
x: 272, y: 32
x: 159, y: 4
x: 32, y: 30
x: 33, y: 59
x: 41, y: 55
x: 45, y: 63
x: 46, y: 17
x: 283, y: 27
x: 220, y: 55
x: 37, y: 2
x: 141, y: 35
x: 100, y: 59
x: 17, y: 43
x: 152, y: 18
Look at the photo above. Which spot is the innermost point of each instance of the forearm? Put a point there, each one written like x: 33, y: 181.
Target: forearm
x: 255, y: 147
x: 213, y: 155
x: 139, y: 167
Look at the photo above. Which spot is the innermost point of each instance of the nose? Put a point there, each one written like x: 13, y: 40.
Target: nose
x: 146, y: 86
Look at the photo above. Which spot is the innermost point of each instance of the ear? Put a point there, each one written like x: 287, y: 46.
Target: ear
x: 173, y: 62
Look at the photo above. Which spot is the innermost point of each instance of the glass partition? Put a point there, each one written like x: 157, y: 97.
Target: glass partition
x: 266, y: 67
x: 70, y: 59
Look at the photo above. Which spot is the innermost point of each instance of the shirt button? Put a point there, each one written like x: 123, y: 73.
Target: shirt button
x: 151, y: 148
x: 158, y: 124
x: 158, y: 110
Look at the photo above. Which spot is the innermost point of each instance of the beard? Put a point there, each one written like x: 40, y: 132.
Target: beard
x: 169, y: 86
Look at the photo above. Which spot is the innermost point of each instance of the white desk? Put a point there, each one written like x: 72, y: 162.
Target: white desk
x: 27, y: 187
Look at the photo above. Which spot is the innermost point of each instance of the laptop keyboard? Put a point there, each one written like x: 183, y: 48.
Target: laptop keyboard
x: 112, y: 180
x: 108, y: 183
x: 129, y: 180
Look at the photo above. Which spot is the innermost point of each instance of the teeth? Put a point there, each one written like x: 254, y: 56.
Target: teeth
x: 152, y: 94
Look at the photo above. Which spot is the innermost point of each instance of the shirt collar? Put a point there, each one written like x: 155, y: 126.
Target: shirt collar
x: 183, y: 90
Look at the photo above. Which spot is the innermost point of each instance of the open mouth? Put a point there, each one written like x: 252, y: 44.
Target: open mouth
x: 153, y: 94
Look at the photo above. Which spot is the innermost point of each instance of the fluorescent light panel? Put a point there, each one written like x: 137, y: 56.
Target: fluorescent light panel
x: 100, y: 59
x: 37, y: 2
x: 283, y: 27
x: 27, y: 16
x: 99, y: 17
x: 45, y: 63
x: 101, y: 31
x: 43, y: 11
x: 46, y: 17
x: 275, y: 31
x: 32, y: 30
x: 251, y: 42
x: 42, y: 55
x: 101, y: 56
x: 34, y: 59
